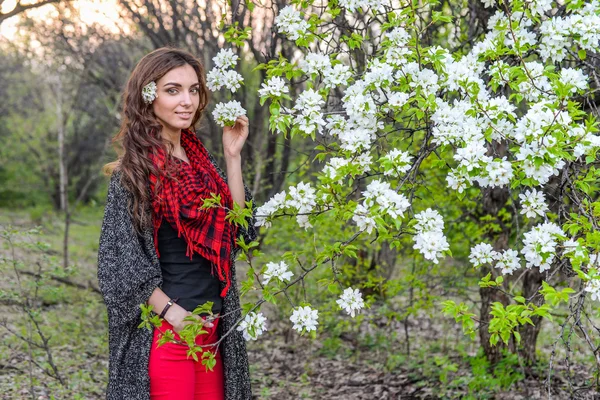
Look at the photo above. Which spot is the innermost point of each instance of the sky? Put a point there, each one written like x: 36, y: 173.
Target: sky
x: 100, y: 11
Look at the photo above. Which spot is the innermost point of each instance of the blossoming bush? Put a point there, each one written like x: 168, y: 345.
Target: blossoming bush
x: 420, y: 134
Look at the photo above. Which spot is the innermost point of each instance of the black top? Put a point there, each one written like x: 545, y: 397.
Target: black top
x: 190, y: 280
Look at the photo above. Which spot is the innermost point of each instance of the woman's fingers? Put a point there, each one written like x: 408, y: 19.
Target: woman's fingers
x: 206, y: 322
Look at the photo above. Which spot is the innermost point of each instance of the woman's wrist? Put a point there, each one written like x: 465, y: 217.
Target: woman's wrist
x: 168, y: 307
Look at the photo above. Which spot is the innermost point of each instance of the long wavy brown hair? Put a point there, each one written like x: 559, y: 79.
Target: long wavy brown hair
x: 140, y: 131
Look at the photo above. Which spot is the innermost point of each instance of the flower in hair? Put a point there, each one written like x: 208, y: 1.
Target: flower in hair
x: 149, y: 93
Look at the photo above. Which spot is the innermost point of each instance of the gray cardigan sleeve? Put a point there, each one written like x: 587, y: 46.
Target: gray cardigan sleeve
x: 127, y: 273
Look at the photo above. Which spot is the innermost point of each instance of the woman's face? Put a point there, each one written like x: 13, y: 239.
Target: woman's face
x: 178, y: 99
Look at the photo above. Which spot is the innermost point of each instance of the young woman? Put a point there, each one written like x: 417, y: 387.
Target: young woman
x: 158, y: 247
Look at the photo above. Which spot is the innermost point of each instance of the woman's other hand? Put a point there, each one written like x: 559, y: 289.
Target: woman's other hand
x: 176, y: 315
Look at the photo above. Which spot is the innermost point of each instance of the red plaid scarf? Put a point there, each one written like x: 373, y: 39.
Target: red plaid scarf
x: 205, y: 231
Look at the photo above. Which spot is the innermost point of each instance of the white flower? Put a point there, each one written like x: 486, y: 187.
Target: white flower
x: 232, y: 80
x: 273, y: 87
x: 305, y: 318
x: 217, y: 78
x: 253, y: 325
x: 499, y: 173
x: 427, y: 80
x: 214, y: 79
x: 508, y: 261
x: 534, y: 203
x: 308, y: 105
x: 227, y: 113
x: 430, y: 239
x: 149, y: 93
x: 429, y: 220
x: 225, y: 59
x: 540, y: 245
x: 398, y: 99
x: 278, y: 271
x: 574, y: 78
x: 400, y: 162
x: 593, y: 287
x: 388, y: 200
x: 351, y: 300
x: 363, y: 218
x: 458, y: 181
x: 336, y: 75
x: 482, y: 253
x: 333, y: 166
x: 303, y: 196
x: 290, y: 23
x: 431, y: 245
x: 269, y: 208
x: 398, y: 36
x: 315, y: 63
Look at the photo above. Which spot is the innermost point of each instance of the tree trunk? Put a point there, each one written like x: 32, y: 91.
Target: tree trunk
x: 531, y: 284
x: 493, y: 201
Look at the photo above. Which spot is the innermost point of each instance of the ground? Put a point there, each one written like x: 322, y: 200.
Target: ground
x: 369, y: 361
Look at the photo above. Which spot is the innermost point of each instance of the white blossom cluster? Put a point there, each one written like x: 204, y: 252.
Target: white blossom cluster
x: 430, y: 239
x: 337, y: 75
x: 593, y: 285
x: 351, y: 301
x: 363, y: 218
x: 275, y: 86
x: 353, y: 5
x: 540, y: 245
x: 305, y: 318
x: 290, y: 23
x: 507, y: 261
x: 533, y: 203
x: 455, y: 126
x: 389, y: 201
x: 277, y: 271
x: 397, y: 50
x: 587, y: 142
x: 220, y: 75
x: 400, y: 162
x: 358, y: 131
x: 253, y: 325
x: 379, y: 194
x: 333, y: 75
x: 275, y: 203
x: 571, y: 247
x: 536, y: 144
x: 227, y: 113
x: 581, y: 26
x: 465, y: 72
x: 482, y: 253
x: 335, y: 167
x: 303, y: 199
x: 315, y: 63
x: 309, y: 114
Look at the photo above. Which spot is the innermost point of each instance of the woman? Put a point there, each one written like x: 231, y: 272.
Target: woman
x: 158, y: 247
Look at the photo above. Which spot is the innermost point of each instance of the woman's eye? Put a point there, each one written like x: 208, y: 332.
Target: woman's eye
x: 195, y: 90
x: 171, y: 91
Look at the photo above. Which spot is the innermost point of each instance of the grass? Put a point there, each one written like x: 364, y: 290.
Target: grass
x: 443, y: 363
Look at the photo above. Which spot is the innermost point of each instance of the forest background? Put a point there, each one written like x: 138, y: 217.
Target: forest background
x: 62, y: 69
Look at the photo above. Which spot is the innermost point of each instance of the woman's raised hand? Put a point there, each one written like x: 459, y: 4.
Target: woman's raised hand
x: 235, y: 136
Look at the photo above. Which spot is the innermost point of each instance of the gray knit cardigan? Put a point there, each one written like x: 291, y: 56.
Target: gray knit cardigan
x: 128, y: 273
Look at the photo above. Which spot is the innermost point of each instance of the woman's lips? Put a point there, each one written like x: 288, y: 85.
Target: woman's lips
x: 184, y: 115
